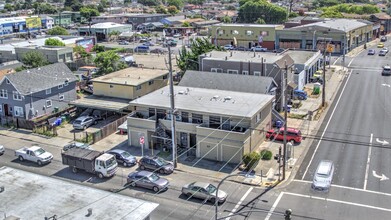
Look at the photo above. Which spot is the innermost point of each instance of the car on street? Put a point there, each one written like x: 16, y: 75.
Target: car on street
x: 2, y: 150
x: 123, y: 42
x: 292, y: 135
x: 83, y: 122
x: 141, y: 49
x: 229, y: 47
x: 371, y: 52
x: 241, y: 48
x: 385, y: 49
x: 156, y: 164
x: 380, y: 45
x: 149, y: 180
x: 204, y: 191
x: 323, y: 175
x: 143, y: 40
x: 386, y: 71
x: 383, y: 39
x: 258, y: 49
x: 34, y: 154
x: 123, y: 157
x: 77, y: 145
x: 177, y: 35
x: 170, y: 43
x: 382, y: 53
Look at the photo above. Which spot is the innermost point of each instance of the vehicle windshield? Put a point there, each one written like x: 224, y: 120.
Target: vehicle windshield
x: 39, y: 152
x: 210, y: 188
x: 77, y: 122
x: 111, y: 162
x: 161, y: 162
x: 125, y: 154
x: 153, y: 178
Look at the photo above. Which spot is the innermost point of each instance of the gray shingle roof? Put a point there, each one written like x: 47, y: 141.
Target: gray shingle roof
x: 42, y: 78
x: 229, y: 82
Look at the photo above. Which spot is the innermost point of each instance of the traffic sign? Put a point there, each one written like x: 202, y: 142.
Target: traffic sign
x: 142, y: 140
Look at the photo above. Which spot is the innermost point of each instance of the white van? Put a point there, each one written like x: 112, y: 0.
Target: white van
x: 323, y: 175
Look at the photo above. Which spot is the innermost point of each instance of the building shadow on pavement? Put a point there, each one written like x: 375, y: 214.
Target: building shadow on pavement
x: 80, y: 176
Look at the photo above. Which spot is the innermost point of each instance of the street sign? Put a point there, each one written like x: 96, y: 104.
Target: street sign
x: 330, y: 48
x: 142, y: 140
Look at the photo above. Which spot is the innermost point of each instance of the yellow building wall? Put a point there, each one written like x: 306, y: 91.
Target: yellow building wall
x: 113, y: 90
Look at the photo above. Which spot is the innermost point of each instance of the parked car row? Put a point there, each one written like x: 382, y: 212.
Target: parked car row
x: 242, y: 48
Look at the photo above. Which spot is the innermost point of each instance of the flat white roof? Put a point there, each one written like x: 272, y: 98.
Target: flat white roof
x: 31, y: 196
x: 209, y: 101
x: 107, y: 25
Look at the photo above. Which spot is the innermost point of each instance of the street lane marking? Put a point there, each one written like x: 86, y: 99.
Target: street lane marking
x: 324, y: 130
x: 240, y: 202
x: 338, y: 201
x: 348, y: 187
x: 350, y: 62
x: 368, y: 161
x: 274, y: 206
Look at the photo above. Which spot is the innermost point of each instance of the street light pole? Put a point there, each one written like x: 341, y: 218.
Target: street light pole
x: 217, y: 191
x: 285, y: 118
x: 324, y: 73
x: 172, y: 105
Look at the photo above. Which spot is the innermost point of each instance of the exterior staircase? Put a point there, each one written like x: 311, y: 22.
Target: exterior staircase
x: 167, y: 143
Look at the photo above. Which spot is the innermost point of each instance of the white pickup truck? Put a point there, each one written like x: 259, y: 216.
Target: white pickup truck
x: 35, y: 154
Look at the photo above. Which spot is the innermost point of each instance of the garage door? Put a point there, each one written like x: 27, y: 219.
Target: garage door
x: 208, y: 150
x: 232, y: 154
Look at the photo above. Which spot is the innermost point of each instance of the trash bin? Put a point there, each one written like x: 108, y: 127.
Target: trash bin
x: 316, y: 88
x: 278, y: 124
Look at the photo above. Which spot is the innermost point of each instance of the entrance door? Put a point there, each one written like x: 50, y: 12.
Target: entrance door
x: 193, y: 145
x: 6, y: 110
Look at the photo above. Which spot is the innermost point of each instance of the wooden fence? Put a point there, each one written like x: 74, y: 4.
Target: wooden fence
x: 108, y: 129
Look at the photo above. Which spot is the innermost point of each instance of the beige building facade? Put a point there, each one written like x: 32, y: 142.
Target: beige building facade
x: 210, y: 124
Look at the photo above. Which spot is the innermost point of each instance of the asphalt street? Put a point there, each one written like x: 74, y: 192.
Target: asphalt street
x: 173, y: 205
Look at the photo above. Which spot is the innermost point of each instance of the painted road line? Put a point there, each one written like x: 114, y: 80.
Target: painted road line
x: 336, y: 60
x: 275, y: 204
x: 240, y: 202
x: 338, y: 201
x: 368, y: 161
x: 325, y: 128
x: 348, y: 187
x: 350, y: 62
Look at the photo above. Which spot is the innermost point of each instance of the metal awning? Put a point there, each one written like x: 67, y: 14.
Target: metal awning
x: 102, y: 103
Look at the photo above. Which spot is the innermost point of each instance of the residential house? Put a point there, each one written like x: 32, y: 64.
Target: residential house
x: 62, y: 19
x: 36, y: 92
x: 253, y: 64
x: 114, y: 91
x: 211, y: 124
x: 52, y: 53
x: 119, y: 19
x: 340, y: 33
x: 385, y: 22
x: 246, y: 35
x: 173, y: 20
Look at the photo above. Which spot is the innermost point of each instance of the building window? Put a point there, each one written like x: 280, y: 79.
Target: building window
x: 232, y: 71
x: 258, y: 117
x: 214, y: 122
x: 216, y: 70
x: 18, y: 111
x: 17, y: 96
x: 7, y: 81
x: 249, y: 33
x: 150, y: 82
x: 48, y: 91
x: 221, y: 32
x: 48, y: 103
x: 257, y: 73
x: 196, y: 119
x: 234, y: 32
x: 1, y: 108
x: 111, y: 86
x: 138, y: 87
x: 4, y: 94
x: 264, y: 33
x: 245, y: 72
x: 165, y: 76
x: 61, y: 97
x: 66, y: 83
x: 185, y: 116
x: 60, y: 86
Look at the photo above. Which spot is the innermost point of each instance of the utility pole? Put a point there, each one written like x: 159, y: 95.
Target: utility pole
x: 172, y: 103
x: 324, y: 74
x: 285, y: 118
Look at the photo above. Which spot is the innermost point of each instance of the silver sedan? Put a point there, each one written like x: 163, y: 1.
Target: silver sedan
x: 205, y: 191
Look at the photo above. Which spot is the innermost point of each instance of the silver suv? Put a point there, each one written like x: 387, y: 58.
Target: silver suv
x: 323, y: 176
x: 83, y: 122
x: 386, y: 71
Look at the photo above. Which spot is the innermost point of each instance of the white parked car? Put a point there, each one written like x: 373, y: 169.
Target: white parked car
x: 2, y: 150
x: 258, y: 49
x: 228, y: 47
x: 34, y: 154
x: 323, y: 176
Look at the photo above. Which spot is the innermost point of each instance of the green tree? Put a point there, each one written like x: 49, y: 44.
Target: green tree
x: 177, y: 3
x: 188, y: 58
x: 148, y: 2
x: 74, y: 4
x: 251, y: 10
x: 43, y: 8
x: 196, y: 2
x: 33, y: 59
x: 227, y: 19
x: 27, y: 4
x: 186, y: 24
x: 172, y: 10
x: 58, y: 31
x: 98, y: 48
x: 230, y: 7
x: 81, y: 53
x: 108, y: 62
x: 160, y: 9
x: 88, y: 12
x: 251, y: 160
x: 54, y: 42
x: 8, y: 7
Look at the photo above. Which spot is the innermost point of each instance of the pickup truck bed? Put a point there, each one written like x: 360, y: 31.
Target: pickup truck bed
x: 80, y: 158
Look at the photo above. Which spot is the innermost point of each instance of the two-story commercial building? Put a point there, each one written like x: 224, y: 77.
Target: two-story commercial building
x: 52, y: 53
x: 340, y: 33
x: 114, y: 91
x: 35, y: 92
x: 245, y: 35
x: 211, y: 124
x: 253, y: 64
